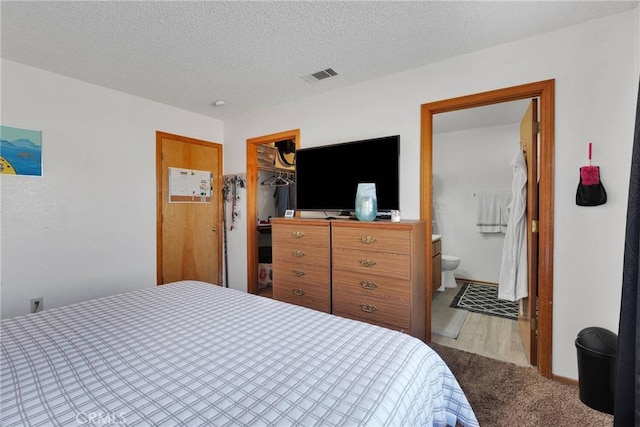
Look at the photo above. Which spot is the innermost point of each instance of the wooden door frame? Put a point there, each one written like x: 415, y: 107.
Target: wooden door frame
x: 252, y: 199
x: 545, y: 91
x: 216, y: 195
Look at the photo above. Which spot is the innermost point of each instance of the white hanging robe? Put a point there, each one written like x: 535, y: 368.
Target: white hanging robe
x: 513, y: 284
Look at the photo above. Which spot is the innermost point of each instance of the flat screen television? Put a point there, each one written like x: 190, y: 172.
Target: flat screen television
x: 327, y: 176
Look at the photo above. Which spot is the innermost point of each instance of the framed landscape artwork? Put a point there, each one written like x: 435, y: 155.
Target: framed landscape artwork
x: 20, y: 151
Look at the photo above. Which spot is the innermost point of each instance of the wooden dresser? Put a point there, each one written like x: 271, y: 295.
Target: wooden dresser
x: 373, y: 271
x: 302, y: 262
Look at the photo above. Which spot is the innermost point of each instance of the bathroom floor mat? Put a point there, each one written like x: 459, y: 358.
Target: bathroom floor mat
x: 482, y: 298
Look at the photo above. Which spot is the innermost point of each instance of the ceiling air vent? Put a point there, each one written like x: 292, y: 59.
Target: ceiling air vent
x: 320, y: 75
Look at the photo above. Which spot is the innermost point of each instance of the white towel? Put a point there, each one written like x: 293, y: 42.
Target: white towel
x: 492, y: 215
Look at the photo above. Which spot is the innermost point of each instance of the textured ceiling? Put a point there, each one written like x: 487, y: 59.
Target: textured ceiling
x: 252, y: 54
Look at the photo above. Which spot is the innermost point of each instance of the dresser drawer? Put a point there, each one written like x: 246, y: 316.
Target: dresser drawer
x: 371, y: 309
x: 372, y: 239
x: 372, y: 263
x: 296, y: 273
x: 372, y: 322
x: 310, y: 295
x: 367, y: 286
x: 302, y: 255
x: 300, y: 235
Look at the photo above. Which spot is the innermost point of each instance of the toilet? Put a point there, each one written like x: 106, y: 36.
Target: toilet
x: 449, y: 264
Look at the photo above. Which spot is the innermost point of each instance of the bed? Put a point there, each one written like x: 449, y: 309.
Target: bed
x: 191, y: 353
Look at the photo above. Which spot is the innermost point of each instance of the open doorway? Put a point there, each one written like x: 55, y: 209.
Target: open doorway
x: 257, y: 232
x: 544, y: 91
x: 474, y: 153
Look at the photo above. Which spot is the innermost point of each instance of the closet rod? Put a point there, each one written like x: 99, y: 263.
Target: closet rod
x: 275, y: 169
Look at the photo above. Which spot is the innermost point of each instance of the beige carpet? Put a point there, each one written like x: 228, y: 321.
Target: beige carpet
x: 446, y: 321
x: 505, y: 395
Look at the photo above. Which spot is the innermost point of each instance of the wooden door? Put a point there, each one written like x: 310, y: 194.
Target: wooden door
x: 188, y: 231
x: 527, y: 313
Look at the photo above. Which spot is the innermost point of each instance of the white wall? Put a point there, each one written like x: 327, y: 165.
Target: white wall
x: 86, y: 228
x: 465, y: 164
x: 595, y: 65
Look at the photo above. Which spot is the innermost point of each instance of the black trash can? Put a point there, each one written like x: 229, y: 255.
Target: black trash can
x: 597, y: 348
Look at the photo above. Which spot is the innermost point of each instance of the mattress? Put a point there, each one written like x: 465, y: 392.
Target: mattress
x: 191, y: 353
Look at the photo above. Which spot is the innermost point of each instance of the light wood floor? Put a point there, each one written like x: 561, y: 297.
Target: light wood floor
x: 488, y: 336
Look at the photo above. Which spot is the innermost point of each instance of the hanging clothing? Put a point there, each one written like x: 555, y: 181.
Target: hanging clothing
x: 283, y: 199
x: 292, y: 195
x: 492, y: 214
x: 513, y: 284
x: 626, y: 410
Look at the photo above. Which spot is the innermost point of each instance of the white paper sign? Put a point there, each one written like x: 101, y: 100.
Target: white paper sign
x: 189, y: 186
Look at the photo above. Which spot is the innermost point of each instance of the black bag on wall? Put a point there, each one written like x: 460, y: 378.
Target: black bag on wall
x: 590, y: 192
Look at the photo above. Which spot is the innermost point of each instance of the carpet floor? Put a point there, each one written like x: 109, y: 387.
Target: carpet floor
x: 483, y: 298
x: 505, y: 395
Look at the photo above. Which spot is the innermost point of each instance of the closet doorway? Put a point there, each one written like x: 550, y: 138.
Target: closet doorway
x: 256, y: 169
x: 544, y: 91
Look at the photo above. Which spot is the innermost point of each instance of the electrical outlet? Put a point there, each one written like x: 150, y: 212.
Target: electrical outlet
x: 36, y: 305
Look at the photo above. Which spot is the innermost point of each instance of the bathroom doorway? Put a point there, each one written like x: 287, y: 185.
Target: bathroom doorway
x: 473, y: 152
x: 544, y: 91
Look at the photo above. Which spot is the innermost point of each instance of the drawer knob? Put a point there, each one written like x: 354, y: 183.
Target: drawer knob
x: 298, y: 253
x: 367, y: 263
x: 368, y: 308
x: 297, y: 234
x: 368, y: 285
x: 298, y: 292
x: 367, y: 240
x: 298, y: 273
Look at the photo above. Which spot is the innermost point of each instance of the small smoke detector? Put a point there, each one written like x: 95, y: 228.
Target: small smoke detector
x: 320, y: 75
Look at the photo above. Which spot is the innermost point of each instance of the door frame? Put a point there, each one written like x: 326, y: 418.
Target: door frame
x: 216, y: 197
x: 252, y: 199
x: 545, y: 91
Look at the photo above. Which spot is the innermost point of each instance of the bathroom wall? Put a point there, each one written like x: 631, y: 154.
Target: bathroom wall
x: 466, y: 163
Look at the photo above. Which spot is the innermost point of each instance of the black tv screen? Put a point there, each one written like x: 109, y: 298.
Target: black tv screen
x: 327, y: 176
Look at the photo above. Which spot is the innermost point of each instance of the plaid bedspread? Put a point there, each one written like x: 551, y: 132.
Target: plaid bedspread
x: 191, y: 353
